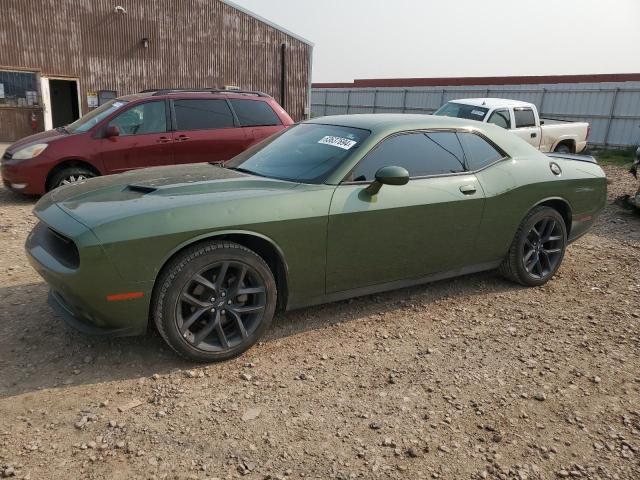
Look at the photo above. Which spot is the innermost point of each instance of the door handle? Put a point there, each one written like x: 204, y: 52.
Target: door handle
x: 163, y: 140
x: 182, y: 138
x: 534, y: 135
x: 468, y: 189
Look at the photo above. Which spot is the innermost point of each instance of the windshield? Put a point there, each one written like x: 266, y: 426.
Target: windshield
x: 305, y: 153
x: 460, y: 110
x: 94, y: 116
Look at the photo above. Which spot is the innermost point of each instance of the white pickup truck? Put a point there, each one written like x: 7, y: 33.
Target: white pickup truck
x: 522, y: 119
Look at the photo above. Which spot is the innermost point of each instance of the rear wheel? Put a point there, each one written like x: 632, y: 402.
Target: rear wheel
x: 563, y: 148
x: 537, y: 249
x: 68, y: 176
x: 214, y: 301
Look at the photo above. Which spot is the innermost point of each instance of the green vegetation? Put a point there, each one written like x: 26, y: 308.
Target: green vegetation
x: 622, y: 157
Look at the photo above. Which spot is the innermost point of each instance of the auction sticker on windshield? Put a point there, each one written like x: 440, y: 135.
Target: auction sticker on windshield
x: 339, y: 142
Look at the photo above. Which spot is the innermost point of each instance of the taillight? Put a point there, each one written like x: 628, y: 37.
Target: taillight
x: 588, y: 132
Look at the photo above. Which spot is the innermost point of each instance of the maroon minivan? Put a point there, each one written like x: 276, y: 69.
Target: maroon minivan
x: 152, y: 128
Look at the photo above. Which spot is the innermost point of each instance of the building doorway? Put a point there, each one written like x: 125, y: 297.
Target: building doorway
x: 61, y: 101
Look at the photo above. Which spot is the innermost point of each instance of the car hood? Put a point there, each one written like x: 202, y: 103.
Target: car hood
x: 42, y: 137
x: 99, y: 200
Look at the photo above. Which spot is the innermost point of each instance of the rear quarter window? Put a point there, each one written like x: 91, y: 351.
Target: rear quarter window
x: 479, y: 152
x: 255, y: 113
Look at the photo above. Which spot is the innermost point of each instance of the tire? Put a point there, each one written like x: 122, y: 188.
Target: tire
x: 563, y: 148
x: 214, y: 300
x: 68, y: 176
x: 546, y: 248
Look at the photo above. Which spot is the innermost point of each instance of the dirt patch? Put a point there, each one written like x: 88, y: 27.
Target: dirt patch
x: 469, y: 378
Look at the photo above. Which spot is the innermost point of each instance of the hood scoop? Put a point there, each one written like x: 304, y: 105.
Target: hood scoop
x: 144, y: 189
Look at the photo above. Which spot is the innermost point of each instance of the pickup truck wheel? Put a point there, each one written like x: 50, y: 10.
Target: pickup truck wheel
x: 214, y: 301
x: 68, y: 176
x: 563, y: 148
x: 537, y: 249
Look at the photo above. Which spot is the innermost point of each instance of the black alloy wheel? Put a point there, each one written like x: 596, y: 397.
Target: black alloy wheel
x: 221, y: 306
x: 214, y: 300
x: 543, y: 248
x: 537, y: 249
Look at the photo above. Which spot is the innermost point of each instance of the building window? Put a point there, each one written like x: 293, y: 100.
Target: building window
x: 18, y: 89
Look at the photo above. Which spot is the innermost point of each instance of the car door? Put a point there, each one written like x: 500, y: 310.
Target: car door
x: 257, y: 119
x: 525, y: 125
x: 404, y: 232
x: 205, y: 131
x: 143, y: 140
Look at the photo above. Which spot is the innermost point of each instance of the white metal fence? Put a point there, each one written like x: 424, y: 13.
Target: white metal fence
x: 612, y: 108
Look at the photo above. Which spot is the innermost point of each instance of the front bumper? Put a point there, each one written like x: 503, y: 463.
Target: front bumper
x: 22, y: 179
x: 82, y: 286
x: 82, y: 323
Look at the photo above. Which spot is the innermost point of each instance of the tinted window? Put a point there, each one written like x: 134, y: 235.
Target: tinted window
x: 202, y: 114
x: 306, y: 153
x: 500, y: 118
x: 254, y: 113
x: 460, y: 110
x: 524, y: 117
x: 479, y: 152
x: 144, y: 118
x: 421, y: 154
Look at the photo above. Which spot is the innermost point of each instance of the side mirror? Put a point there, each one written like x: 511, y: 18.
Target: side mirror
x: 112, y: 131
x: 388, y: 176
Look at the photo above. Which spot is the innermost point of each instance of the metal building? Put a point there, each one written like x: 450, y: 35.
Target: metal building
x: 61, y: 58
x: 610, y: 103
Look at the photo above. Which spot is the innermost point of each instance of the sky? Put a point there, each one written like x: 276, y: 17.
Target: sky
x: 461, y: 38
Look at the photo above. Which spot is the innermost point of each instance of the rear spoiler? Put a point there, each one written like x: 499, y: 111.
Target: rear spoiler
x: 573, y: 156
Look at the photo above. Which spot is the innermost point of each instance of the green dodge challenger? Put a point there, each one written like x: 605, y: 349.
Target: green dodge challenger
x: 329, y: 209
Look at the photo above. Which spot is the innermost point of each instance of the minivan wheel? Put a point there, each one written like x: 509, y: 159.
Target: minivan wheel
x: 69, y: 176
x: 537, y: 249
x: 214, y: 301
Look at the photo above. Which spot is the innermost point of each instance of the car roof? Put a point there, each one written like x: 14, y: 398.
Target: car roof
x: 198, y: 95
x: 491, y: 102
x: 378, y: 122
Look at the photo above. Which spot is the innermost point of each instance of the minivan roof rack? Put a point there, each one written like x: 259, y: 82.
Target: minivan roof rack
x: 164, y: 91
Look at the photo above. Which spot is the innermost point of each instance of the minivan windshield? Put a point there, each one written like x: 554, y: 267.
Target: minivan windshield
x: 94, y: 117
x: 460, y: 110
x: 305, y: 153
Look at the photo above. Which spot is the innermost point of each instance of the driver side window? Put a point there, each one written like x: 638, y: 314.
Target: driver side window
x: 145, y: 118
x: 421, y: 153
x: 500, y: 118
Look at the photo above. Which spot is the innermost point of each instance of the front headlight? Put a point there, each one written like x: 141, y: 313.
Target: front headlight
x: 29, y: 152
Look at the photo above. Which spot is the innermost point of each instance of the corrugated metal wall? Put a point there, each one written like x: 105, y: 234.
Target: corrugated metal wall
x: 192, y: 43
x: 612, y: 108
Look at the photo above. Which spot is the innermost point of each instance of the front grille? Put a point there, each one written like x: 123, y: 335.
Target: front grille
x: 62, y: 248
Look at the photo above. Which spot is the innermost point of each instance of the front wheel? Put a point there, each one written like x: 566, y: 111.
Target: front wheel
x: 69, y: 176
x: 537, y: 249
x: 214, y: 301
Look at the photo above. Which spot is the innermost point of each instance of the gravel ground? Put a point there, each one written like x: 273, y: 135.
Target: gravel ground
x: 462, y: 379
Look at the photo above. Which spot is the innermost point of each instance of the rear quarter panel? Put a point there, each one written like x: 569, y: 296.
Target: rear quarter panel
x: 515, y: 186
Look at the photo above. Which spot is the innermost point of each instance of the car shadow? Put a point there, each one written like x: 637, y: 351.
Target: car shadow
x: 9, y: 197
x: 38, y: 351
